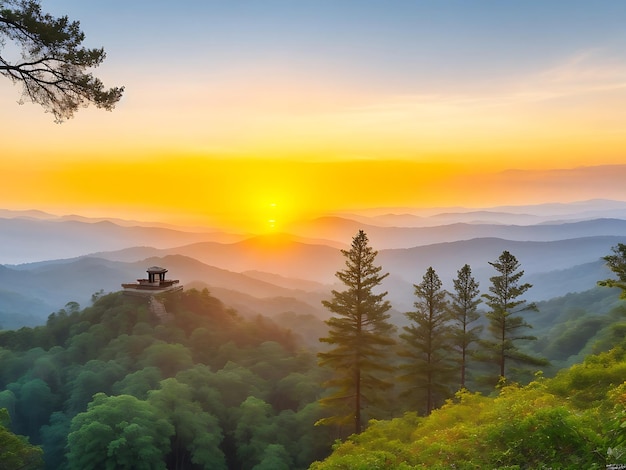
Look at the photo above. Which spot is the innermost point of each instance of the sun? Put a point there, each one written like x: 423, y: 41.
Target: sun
x: 275, y: 211
x: 277, y: 215
x: 271, y: 221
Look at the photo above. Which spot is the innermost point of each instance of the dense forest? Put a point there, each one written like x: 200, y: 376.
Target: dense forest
x: 114, y: 385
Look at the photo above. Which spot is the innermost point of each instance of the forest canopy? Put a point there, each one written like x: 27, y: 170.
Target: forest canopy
x: 204, y: 387
x: 209, y: 389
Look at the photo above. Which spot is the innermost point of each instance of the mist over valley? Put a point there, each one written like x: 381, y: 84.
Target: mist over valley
x: 49, y: 260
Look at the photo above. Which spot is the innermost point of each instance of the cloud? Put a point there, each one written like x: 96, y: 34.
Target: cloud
x: 585, y: 72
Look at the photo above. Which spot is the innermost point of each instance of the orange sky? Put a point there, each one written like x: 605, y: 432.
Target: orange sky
x: 293, y: 115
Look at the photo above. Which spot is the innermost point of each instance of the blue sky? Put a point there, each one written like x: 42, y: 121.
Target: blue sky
x: 443, y: 90
x: 400, y: 41
x: 399, y: 45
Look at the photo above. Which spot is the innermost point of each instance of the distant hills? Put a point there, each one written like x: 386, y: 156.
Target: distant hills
x: 384, y: 237
x: 42, y: 288
x: 24, y: 240
x: 47, y: 261
x: 509, y: 215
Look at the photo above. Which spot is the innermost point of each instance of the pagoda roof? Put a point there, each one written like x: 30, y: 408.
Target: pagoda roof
x: 156, y: 270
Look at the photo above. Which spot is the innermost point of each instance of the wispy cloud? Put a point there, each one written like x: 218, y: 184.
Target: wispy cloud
x: 587, y: 72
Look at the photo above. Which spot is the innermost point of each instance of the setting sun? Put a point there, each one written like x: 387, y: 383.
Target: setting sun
x: 285, y: 173
x: 329, y: 124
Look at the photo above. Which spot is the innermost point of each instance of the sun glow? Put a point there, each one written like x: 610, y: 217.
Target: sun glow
x: 276, y: 216
x: 272, y: 221
x: 265, y: 196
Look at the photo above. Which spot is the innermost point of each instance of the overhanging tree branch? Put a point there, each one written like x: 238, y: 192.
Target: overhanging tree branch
x: 53, y: 65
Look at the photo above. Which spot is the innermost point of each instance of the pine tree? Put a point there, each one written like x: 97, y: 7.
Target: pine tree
x: 360, y: 335
x: 504, y: 322
x: 617, y: 263
x: 463, y: 310
x: 53, y: 65
x: 429, y: 370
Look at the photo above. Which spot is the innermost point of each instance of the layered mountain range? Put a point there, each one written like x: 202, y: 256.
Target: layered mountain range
x: 47, y: 261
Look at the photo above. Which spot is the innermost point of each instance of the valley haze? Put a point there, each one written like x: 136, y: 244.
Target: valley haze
x: 49, y: 260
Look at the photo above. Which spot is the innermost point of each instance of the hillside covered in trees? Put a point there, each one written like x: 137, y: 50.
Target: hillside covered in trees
x: 110, y: 384
x: 114, y: 385
x: 574, y: 420
x: 210, y: 390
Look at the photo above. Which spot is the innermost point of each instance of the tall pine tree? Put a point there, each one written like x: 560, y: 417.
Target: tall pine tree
x: 464, y: 312
x: 360, y: 335
x: 428, y: 369
x: 505, y: 322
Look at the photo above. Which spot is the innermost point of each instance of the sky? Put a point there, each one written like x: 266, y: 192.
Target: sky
x: 251, y: 114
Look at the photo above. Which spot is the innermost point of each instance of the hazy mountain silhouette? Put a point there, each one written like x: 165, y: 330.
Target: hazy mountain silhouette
x: 188, y: 269
x: 279, y: 255
x: 18, y: 310
x: 28, y: 240
x: 407, y: 237
x: 555, y: 268
x: 284, y: 272
x: 42, y: 288
x: 519, y: 214
x: 289, y: 283
x: 31, y: 236
x: 248, y: 305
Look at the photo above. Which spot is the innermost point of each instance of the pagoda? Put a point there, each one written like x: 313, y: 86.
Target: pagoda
x: 154, y: 284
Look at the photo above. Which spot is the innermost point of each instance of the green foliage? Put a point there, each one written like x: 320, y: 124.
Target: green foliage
x: 255, y: 431
x: 464, y: 313
x: 35, y: 403
x: 15, y: 451
x: 93, y: 377
x: 119, y: 432
x: 360, y: 336
x: 530, y: 428
x: 574, y: 334
x: 587, y: 384
x: 617, y: 425
x: 113, y: 385
x: 576, y: 325
x: 523, y: 427
x: 197, y: 434
x: 53, y: 63
x: 504, y: 320
x: 428, y: 369
x: 617, y: 263
x: 163, y: 373
x: 575, y: 420
x: 274, y: 457
x: 139, y: 383
x: 168, y: 358
x: 54, y: 439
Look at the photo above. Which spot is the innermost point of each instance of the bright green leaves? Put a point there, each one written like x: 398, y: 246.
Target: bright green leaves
x: 15, y: 451
x: 523, y: 427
